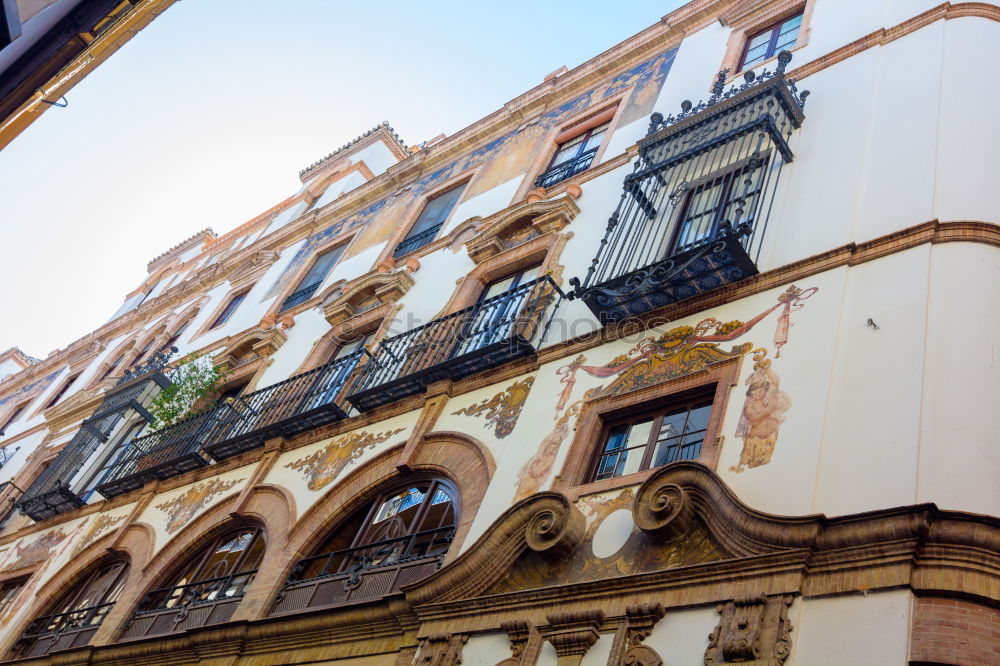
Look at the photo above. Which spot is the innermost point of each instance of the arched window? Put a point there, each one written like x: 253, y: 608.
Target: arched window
x: 74, y: 618
x: 399, y: 538
x: 205, y: 588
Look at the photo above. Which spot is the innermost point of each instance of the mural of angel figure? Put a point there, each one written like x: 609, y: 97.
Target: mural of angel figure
x: 763, y: 413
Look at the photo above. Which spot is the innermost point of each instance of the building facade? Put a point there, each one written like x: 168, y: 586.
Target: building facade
x: 611, y: 376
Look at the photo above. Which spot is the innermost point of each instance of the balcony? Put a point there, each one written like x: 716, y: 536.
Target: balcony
x: 299, y: 297
x: 188, y: 606
x: 567, y: 169
x: 415, y: 242
x: 61, y: 631
x: 287, y: 408
x: 363, y: 573
x: 485, y: 335
x: 693, y: 213
x: 51, y: 493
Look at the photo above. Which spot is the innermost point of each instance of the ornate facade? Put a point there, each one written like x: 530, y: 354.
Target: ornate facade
x: 609, y: 377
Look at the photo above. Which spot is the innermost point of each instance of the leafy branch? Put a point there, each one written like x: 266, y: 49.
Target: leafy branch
x: 193, y: 379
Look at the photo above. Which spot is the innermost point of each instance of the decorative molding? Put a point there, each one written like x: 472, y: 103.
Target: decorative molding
x: 751, y: 630
x: 639, y: 622
x: 365, y: 294
x: 442, y: 649
x: 572, y: 633
x: 252, y: 268
x: 519, y: 633
x: 250, y: 346
x: 518, y: 224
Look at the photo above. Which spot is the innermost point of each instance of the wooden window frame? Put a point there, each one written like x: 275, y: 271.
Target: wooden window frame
x: 772, y: 43
x: 292, y: 286
x: 750, y: 24
x: 687, y: 399
x: 464, y: 181
x: 573, y: 479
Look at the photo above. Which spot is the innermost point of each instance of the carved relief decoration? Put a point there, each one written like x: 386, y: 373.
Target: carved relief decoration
x: 503, y: 409
x: 442, y: 649
x: 518, y: 632
x: 640, y: 620
x: 252, y: 345
x: 751, y: 630
x: 519, y: 224
x: 572, y: 633
x: 367, y: 293
x: 182, y: 509
x: 323, y: 466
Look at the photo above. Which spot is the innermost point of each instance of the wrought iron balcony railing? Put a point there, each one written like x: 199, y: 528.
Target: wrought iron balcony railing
x: 62, y: 631
x: 693, y: 213
x: 51, y: 493
x: 416, y: 241
x: 482, y: 336
x: 567, y: 169
x: 364, y: 572
x: 188, y: 606
x: 299, y: 297
x: 299, y: 403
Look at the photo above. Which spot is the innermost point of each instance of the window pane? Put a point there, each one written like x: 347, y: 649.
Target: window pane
x: 761, y: 39
x: 318, y: 271
x: 436, y: 211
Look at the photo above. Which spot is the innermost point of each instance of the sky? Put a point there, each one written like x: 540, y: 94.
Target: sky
x: 205, y: 118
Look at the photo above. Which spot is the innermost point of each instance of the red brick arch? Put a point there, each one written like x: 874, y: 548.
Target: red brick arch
x: 461, y: 459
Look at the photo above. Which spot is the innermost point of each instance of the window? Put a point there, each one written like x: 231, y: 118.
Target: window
x: 771, y: 40
x: 311, y: 281
x: 729, y: 197
x: 73, y: 619
x: 61, y: 392
x: 574, y: 155
x: 432, y: 218
x: 8, y: 590
x: 14, y: 416
x: 397, y: 539
x: 114, y: 455
x: 637, y: 443
x: 347, y: 348
x: 495, y: 314
x: 112, y: 367
x: 230, y: 308
x: 216, y: 575
x: 175, y: 337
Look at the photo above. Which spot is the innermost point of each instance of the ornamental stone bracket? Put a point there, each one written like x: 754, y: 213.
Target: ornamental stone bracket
x: 639, y: 622
x: 572, y: 633
x: 442, y: 649
x: 525, y: 642
x: 366, y: 294
x: 751, y: 630
x: 519, y: 224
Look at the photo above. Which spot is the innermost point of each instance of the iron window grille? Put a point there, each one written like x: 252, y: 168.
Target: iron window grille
x: 573, y: 156
x: 205, y: 589
x: 313, y: 278
x: 403, y: 537
x: 693, y: 213
x: 482, y: 336
x: 429, y: 222
x: 52, y: 492
x: 301, y: 402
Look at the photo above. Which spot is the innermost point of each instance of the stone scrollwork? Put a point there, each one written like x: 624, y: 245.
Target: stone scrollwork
x: 751, y: 629
x: 640, y: 620
x: 573, y: 633
x: 442, y: 649
x: 555, y: 530
x: 663, y: 510
x: 518, y: 633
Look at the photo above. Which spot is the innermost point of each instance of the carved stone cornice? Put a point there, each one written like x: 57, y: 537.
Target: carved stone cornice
x: 365, y: 294
x: 442, y: 649
x: 536, y: 217
x: 73, y: 409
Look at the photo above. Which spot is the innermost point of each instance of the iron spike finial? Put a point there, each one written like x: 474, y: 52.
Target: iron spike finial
x: 784, y: 57
x: 720, y: 82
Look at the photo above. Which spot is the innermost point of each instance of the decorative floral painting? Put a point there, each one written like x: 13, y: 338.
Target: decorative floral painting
x: 183, y: 508
x: 101, y: 526
x: 503, y: 409
x: 323, y: 466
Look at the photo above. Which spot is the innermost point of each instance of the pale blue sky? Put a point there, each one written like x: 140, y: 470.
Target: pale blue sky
x: 206, y: 117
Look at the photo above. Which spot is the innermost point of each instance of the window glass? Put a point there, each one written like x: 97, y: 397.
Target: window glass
x: 771, y: 40
x: 230, y: 308
x: 671, y: 434
x: 320, y: 268
x: 579, y: 145
x: 14, y: 416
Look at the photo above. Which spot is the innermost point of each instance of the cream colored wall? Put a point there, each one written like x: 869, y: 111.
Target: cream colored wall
x: 485, y: 649
x: 861, y: 630
x: 434, y: 284
x: 681, y: 637
x: 484, y: 204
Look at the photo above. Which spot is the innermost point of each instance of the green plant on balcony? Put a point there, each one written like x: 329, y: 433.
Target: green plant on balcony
x: 194, y: 378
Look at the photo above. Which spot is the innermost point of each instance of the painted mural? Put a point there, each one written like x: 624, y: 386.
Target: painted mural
x: 503, y: 409
x: 30, y: 389
x: 101, y: 526
x: 323, y: 466
x: 34, y: 550
x: 636, y: 554
x: 681, y: 351
x: 500, y: 160
x: 183, y: 508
